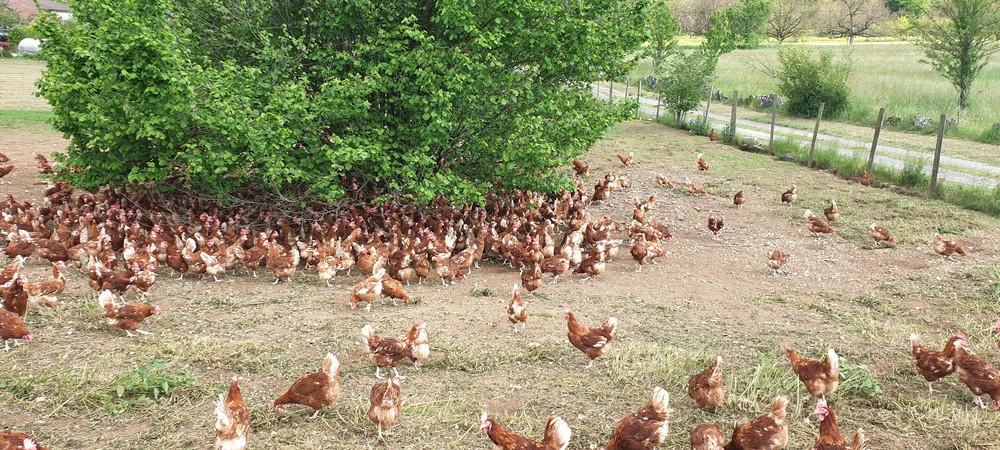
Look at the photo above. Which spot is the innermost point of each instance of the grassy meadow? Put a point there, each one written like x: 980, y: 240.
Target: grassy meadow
x: 886, y: 74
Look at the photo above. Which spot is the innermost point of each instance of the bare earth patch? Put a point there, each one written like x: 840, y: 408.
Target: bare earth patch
x: 706, y: 298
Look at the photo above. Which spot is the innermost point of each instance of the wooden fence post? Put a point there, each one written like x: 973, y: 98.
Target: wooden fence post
x: 774, y: 109
x: 638, y: 98
x: 937, y: 155
x: 707, y: 105
x: 878, y: 131
x: 812, y: 147
x: 732, y: 120
x: 611, y: 90
x: 659, y: 99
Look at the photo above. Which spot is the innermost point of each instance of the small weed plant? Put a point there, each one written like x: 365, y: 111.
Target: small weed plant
x: 145, y: 385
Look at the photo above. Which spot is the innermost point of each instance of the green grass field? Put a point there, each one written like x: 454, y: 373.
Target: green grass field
x: 886, y: 74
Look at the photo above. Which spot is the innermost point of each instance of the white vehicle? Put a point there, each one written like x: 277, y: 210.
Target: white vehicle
x: 29, y: 46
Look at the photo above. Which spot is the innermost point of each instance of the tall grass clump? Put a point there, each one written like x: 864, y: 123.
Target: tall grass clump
x: 973, y: 198
x: 913, y: 175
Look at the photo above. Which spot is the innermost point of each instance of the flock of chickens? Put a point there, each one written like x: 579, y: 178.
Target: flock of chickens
x: 121, y: 241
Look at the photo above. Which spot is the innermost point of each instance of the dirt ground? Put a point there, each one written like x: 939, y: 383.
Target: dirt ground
x: 707, y: 297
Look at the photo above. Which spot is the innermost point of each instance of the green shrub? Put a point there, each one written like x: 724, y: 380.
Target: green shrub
x: 807, y: 82
x: 16, y: 34
x: 411, y: 99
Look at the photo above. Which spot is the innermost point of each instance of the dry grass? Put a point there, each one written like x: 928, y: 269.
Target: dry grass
x: 17, y: 91
x: 705, y: 299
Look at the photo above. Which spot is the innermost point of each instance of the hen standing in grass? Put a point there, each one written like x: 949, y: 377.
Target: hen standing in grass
x: 789, y: 196
x: 702, y: 164
x: 317, y: 390
x: 880, y: 234
x: 707, y: 387
x: 591, y: 341
x: 386, y: 352
x: 232, y: 422
x: 821, y: 378
x: 367, y: 290
x: 977, y: 374
x: 517, y: 313
x: 386, y: 404
x: 646, y: 428
x: 15, y: 298
x: 581, y: 168
x: 555, y: 437
x: 715, y: 225
x: 420, y: 347
x: 947, y: 247
x: 934, y: 365
x: 767, y: 432
x: 776, y: 260
x: 831, y: 212
x: 829, y: 433
x: 125, y: 316
x: 12, y: 327
x: 817, y: 225
x: 739, y: 199
x: 627, y: 160
x: 16, y: 440
x: 706, y: 436
x: 866, y: 179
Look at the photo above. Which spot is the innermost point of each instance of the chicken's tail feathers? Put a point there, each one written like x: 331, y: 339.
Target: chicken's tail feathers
x: 716, y: 366
x: 330, y: 363
x: 557, y: 434
x: 660, y: 400
x: 106, y: 297
x: 367, y: 331
x: 915, y: 339
x: 832, y: 359
x: 779, y: 405
x: 29, y: 444
x: 859, y: 442
x: 222, y: 418
x: 611, y: 325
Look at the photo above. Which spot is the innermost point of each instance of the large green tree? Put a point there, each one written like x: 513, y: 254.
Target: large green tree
x: 742, y: 25
x: 412, y: 98
x: 663, y: 29
x: 958, y: 37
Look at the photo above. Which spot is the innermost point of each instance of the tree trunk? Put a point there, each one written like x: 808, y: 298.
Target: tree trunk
x: 850, y: 34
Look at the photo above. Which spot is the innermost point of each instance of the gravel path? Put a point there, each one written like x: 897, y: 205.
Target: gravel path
x: 950, y: 170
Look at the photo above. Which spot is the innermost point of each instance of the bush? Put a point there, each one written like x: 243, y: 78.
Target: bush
x: 686, y: 81
x: 806, y: 82
x: 15, y: 34
x: 411, y: 99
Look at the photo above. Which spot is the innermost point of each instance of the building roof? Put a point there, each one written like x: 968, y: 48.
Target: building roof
x: 28, y: 10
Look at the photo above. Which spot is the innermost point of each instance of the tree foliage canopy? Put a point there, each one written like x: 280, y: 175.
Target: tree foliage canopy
x: 453, y: 97
x: 807, y: 82
x: 742, y: 25
x: 958, y: 37
x: 663, y: 29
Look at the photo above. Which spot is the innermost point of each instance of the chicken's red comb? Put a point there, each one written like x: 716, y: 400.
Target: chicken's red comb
x: 996, y: 326
x: 962, y: 336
